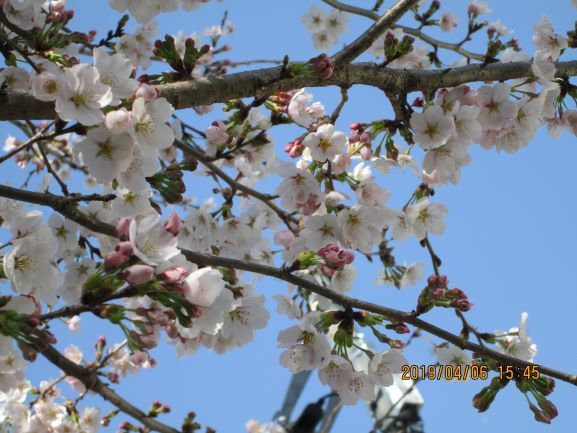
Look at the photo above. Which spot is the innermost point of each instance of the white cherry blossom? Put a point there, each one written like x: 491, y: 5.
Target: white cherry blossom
x: 359, y: 386
x: 325, y: 143
x: 432, y: 127
x: 426, y: 218
x: 336, y: 372
x: 81, y: 96
x: 29, y: 267
x: 383, y: 365
x: 304, y: 349
x: 151, y: 132
x: 150, y: 241
x: 115, y: 71
x: 497, y: 109
x: 106, y: 155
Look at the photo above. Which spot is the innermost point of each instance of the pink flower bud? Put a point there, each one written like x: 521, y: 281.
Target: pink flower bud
x: 418, y: 102
x: 323, y: 66
x: 462, y: 304
x: 437, y: 293
x: 329, y: 272
x: 311, y: 205
x: 171, y: 329
x: 118, y: 121
x: 294, y: 148
x: 355, y: 137
x: 124, y: 248
x: 366, y: 153
x: 172, y: 224
x: 122, y: 228
x: 114, y: 260
x: 147, y: 92
x: 138, y: 274
x: 348, y: 256
x: 217, y: 133
x: 173, y: 275
x: 396, y: 344
x: 401, y: 328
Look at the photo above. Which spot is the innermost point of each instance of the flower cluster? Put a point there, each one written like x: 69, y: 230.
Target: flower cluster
x: 325, y: 27
x: 117, y: 127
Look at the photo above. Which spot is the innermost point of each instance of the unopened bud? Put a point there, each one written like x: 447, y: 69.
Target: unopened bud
x: 122, y: 228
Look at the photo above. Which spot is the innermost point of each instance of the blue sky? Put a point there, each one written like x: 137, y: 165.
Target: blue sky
x: 510, y: 243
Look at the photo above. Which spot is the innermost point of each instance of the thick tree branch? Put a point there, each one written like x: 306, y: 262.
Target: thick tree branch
x: 92, y: 382
x: 61, y: 205
x: 364, y: 41
x: 209, y: 90
x: 407, y: 30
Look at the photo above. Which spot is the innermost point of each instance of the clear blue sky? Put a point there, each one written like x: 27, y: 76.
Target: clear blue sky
x: 510, y: 243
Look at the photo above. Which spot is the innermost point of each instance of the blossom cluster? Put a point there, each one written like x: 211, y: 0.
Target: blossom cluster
x: 325, y: 27
x: 328, y: 210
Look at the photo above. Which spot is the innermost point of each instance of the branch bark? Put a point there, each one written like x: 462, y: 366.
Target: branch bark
x: 68, y: 210
x: 92, y: 382
x: 407, y: 30
x: 364, y: 41
x: 210, y: 90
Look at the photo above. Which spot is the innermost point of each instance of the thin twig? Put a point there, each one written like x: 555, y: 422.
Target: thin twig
x: 343, y: 101
x: 265, y: 198
x: 93, y: 383
x: 51, y: 170
x: 434, y: 258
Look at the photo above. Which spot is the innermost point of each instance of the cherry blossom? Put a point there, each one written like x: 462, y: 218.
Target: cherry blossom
x: 151, y: 132
x: 336, y: 372
x: 384, y: 365
x: 30, y: 268
x: 115, y: 71
x: 81, y: 95
x: 426, y: 218
x: 150, y: 240
x: 298, y: 189
x: 452, y: 355
x: 432, y: 127
x: 549, y: 43
x: 304, y: 349
x: 203, y: 286
x: 497, y: 109
x: 359, y: 386
x: 325, y: 143
x: 449, y: 22
x: 105, y: 154
x: 519, y: 344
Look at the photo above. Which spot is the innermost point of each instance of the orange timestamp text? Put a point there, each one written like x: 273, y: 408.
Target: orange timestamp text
x: 512, y: 372
x: 445, y: 371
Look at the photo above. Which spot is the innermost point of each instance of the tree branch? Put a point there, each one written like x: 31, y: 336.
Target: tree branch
x: 266, y: 199
x: 209, y: 90
x: 407, y: 30
x: 68, y: 210
x: 364, y: 41
x: 92, y: 382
